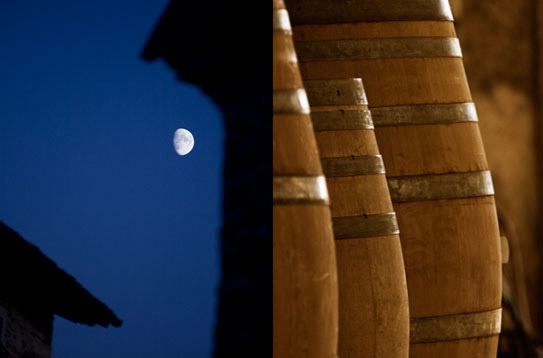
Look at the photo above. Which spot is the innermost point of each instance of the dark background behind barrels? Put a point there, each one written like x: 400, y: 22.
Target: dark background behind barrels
x: 501, y: 43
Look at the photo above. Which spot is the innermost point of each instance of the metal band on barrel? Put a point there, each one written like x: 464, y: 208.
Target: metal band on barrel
x: 440, y: 186
x: 424, y: 114
x: 335, y: 92
x: 343, y: 11
x: 290, y: 101
x: 340, y: 120
x: 281, y: 22
x: 453, y: 327
x: 365, y: 49
x: 352, y: 227
x: 300, y: 190
x: 351, y: 166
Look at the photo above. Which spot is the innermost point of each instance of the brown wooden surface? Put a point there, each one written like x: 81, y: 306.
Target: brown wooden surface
x: 431, y: 149
x: 305, y: 302
x: 278, y: 4
x: 373, y: 300
x: 305, y: 296
x: 369, y: 30
x: 476, y: 347
x: 346, y: 143
x: 286, y: 74
x: 359, y: 195
x: 450, y: 254
x: 294, y: 148
x: 373, y: 306
x: 398, y: 81
x: 450, y: 247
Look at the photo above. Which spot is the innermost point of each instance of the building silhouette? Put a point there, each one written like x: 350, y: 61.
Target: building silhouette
x: 33, y: 289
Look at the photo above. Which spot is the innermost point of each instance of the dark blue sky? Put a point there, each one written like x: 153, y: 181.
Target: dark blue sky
x: 88, y: 173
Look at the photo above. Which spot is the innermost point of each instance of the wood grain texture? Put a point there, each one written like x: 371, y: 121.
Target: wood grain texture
x: 373, y: 305
x: 394, y: 81
x: 373, y: 302
x: 451, y: 255
x: 286, y: 74
x: 305, y: 292
x: 450, y: 247
x: 305, y: 301
x: 358, y: 195
x: 431, y: 149
x: 294, y: 148
x: 345, y: 143
x: 369, y: 30
x: 476, y: 347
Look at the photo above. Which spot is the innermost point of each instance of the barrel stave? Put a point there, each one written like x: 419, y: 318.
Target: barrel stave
x: 393, y: 82
x: 450, y: 245
x: 294, y: 147
x: 369, y: 30
x: 432, y: 148
x: 305, y: 296
x: 370, y: 327
x: 352, y: 196
x: 346, y: 143
x: 450, y: 252
x: 286, y: 74
x: 474, y: 347
x: 373, y: 308
x: 304, y: 279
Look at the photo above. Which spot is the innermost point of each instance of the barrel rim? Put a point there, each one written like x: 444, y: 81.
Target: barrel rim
x: 305, y: 12
x: 455, y: 326
x: 365, y: 226
x: 440, y: 186
x: 281, y: 22
x: 353, y: 165
x: 333, y: 92
x: 300, y: 190
x: 342, y: 119
x: 290, y: 101
x: 377, y: 48
x: 422, y: 114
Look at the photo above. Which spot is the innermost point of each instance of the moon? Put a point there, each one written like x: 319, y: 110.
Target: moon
x: 183, y: 141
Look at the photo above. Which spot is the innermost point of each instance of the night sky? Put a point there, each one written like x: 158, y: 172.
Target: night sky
x: 88, y: 173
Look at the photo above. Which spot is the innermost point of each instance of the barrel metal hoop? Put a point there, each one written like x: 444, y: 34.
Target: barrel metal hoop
x: 290, y: 101
x: 340, y: 120
x: 366, y: 49
x: 309, y: 12
x: 454, y: 327
x: 353, y: 165
x: 335, y: 92
x: 352, y: 227
x: 440, y: 186
x: 424, y: 114
x: 300, y: 190
x: 281, y: 22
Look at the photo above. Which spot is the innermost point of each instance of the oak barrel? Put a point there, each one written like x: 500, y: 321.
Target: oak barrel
x: 373, y: 306
x: 427, y: 132
x: 305, y: 293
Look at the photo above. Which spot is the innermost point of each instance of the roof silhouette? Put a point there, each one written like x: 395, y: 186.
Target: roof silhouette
x: 32, y: 280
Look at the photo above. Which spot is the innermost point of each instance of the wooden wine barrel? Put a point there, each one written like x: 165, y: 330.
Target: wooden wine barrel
x: 373, y: 306
x: 305, y: 293
x: 427, y: 131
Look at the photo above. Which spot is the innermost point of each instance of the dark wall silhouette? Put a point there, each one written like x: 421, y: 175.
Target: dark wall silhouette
x: 222, y: 47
